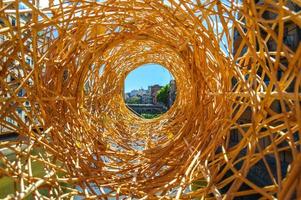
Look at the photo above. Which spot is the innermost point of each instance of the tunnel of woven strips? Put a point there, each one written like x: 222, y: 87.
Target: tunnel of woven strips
x: 232, y: 133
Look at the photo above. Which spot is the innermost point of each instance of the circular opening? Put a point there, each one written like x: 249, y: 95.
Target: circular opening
x: 149, y: 90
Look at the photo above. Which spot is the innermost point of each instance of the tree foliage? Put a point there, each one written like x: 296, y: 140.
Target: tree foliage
x: 133, y: 100
x: 162, y: 95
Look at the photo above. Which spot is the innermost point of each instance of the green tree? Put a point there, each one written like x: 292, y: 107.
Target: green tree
x: 162, y: 95
x: 133, y: 100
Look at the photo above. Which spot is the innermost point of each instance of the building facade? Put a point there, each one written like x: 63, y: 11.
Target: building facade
x: 14, y: 70
x: 154, y: 91
x: 172, y: 92
x: 291, y: 39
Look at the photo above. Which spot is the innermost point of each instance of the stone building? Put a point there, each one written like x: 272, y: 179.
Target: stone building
x: 291, y: 38
x: 15, y: 72
x: 154, y: 91
x: 146, y: 98
x: 172, y: 92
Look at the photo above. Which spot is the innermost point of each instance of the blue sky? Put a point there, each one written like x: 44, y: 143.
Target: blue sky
x: 146, y: 75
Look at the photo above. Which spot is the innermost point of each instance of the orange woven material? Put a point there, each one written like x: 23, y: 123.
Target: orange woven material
x: 233, y: 130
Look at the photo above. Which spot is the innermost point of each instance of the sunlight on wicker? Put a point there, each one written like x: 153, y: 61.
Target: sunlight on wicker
x: 233, y: 131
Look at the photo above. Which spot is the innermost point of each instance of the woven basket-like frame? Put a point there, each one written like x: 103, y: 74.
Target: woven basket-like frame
x: 233, y: 131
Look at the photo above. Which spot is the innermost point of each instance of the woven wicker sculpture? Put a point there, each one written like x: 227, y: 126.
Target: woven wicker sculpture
x: 233, y: 131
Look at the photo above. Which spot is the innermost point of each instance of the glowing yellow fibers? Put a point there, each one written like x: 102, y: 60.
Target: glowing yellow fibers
x: 233, y: 131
